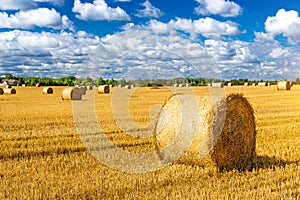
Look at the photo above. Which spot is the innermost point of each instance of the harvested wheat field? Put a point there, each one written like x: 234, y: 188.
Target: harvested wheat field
x: 43, y: 157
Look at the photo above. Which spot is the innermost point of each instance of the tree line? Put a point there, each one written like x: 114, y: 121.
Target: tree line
x: 72, y: 80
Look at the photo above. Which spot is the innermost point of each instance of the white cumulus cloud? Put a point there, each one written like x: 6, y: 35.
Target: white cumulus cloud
x: 56, y: 2
x: 149, y: 10
x: 41, y: 17
x: 98, y: 10
x: 17, y: 4
x: 206, y: 27
x: 286, y: 23
x: 218, y: 7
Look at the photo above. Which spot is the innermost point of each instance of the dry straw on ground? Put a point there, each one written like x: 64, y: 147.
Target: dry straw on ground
x: 234, y: 148
x: 10, y: 91
x: 103, y: 89
x: 283, y: 85
x: 47, y: 90
x: 71, y: 93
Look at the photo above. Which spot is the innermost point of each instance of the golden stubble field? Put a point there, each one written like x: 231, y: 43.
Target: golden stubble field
x: 42, y: 156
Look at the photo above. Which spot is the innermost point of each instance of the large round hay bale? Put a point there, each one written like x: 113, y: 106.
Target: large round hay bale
x: 71, y: 93
x: 10, y: 91
x: 1, y: 91
x: 47, y: 90
x: 103, y: 89
x: 283, y: 85
x: 234, y: 148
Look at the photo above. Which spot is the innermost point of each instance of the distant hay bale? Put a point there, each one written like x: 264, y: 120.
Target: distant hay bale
x: 262, y: 84
x: 23, y: 85
x: 284, y: 85
x: 89, y: 87
x: 235, y: 147
x: 253, y: 84
x: 37, y: 85
x: 1, y: 91
x: 268, y: 84
x: 181, y: 85
x: 47, y: 90
x: 103, y: 89
x: 119, y: 86
x: 10, y: 91
x: 246, y: 84
x: 83, y: 90
x: 71, y: 93
x: 128, y: 86
x: 176, y: 85
x: 229, y: 84
x: 217, y: 85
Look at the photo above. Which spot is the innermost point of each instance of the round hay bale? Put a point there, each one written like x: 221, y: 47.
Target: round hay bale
x: 47, y: 90
x: 217, y: 85
x: 246, y: 84
x: 82, y: 89
x: 235, y: 147
x: 89, y: 87
x: 176, y: 85
x: 128, y: 86
x: 23, y: 85
x: 71, y: 93
x: 1, y: 91
x: 229, y: 84
x: 283, y: 85
x: 103, y: 89
x: 262, y: 84
x: 37, y: 85
x: 10, y: 91
x: 253, y: 84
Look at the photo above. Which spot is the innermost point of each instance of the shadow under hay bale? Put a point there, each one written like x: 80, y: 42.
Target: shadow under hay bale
x: 235, y: 147
x: 48, y: 90
x: 71, y: 93
x: 1, y: 91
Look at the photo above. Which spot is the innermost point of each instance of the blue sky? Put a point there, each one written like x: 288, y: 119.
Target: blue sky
x: 151, y: 38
